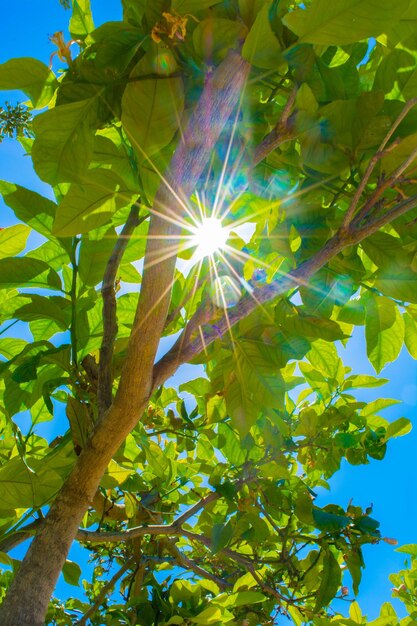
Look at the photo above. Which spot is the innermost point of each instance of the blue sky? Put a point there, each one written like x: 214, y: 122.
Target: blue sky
x: 391, y: 484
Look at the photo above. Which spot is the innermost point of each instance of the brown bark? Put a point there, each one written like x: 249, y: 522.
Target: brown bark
x: 27, y: 600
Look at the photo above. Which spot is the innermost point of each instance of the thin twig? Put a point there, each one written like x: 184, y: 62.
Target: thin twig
x: 280, y: 134
x: 108, y: 292
x: 21, y: 535
x: 382, y: 151
x: 372, y: 225
x: 104, y: 591
x: 243, y: 559
x: 175, y: 528
x: 386, y: 184
x: 187, y: 563
x: 212, y: 497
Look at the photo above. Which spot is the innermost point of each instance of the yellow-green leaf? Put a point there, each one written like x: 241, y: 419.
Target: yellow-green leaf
x: 30, y: 76
x: 261, y: 47
x: 384, y: 329
x: 81, y: 22
x: 91, y: 204
x: 151, y: 112
x: 64, y: 141
x: 344, y: 21
x: 13, y: 240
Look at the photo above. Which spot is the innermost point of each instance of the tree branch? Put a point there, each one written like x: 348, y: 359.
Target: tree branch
x: 186, y: 563
x: 383, y: 186
x: 382, y: 150
x: 374, y: 224
x: 108, y: 292
x: 104, y: 592
x: 185, y: 350
x: 281, y: 133
x: 108, y: 509
x: 153, y: 529
x: 21, y: 535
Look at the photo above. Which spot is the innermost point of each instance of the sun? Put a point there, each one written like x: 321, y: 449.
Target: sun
x: 209, y: 237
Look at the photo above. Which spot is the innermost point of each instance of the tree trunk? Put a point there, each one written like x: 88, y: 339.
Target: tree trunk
x: 27, y: 600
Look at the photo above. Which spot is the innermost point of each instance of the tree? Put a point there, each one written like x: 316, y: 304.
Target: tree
x: 285, y: 115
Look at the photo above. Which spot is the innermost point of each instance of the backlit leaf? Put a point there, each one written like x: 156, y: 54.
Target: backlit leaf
x: 64, y: 141
x: 261, y: 47
x: 26, y: 272
x: 344, y: 21
x: 13, y: 240
x: 384, y: 331
x: 30, y: 76
x: 152, y: 109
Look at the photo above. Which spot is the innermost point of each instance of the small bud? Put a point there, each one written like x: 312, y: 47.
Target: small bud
x: 345, y: 591
x: 390, y: 541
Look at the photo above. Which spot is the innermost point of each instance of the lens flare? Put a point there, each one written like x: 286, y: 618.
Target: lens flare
x: 209, y: 237
x: 225, y: 292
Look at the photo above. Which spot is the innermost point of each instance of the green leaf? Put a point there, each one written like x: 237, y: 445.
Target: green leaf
x: 64, y: 141
x: 367, y: 525
x: 221, y: 534
x: 193, y: 6
x: 354, y: 563
x: 323, y: 356
x: 53, y: 253
x: 134, y: 10
x: 71, y: 572
x: 13, y: 240
x: 115, y: 475
x: 9, y: 346
x: 345, y: 21
x: 42, y: 307
x: 377, y: 405
x: 397, y: 281
x: 91, y: 204
x: 329, y: 582
x: 384, y: 330
x: 151, y: 110
x: 409, y: 548
x: 312, y: 326
x: 79, y: 415
x: 213, y: 37
x: 356, y: 382
x: 410, y: 326
x: 400, y: 427
x: 28, y: 206
x: 383, y: 249
x: 329, y: 522
x: 261, y: 47
x: 22, y: 487
x: 30, y: 76
x: 212, y: 615
x: 246, y: 598
x: 255, y: 384
x: 26, y: 272
x: 355, y: 613
x: 94, y: 255
x: 81, y: 22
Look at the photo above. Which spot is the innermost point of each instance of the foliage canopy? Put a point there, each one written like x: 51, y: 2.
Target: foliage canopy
x: 299, y: 120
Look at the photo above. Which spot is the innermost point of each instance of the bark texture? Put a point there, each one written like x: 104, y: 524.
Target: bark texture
x: 27, y: 600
